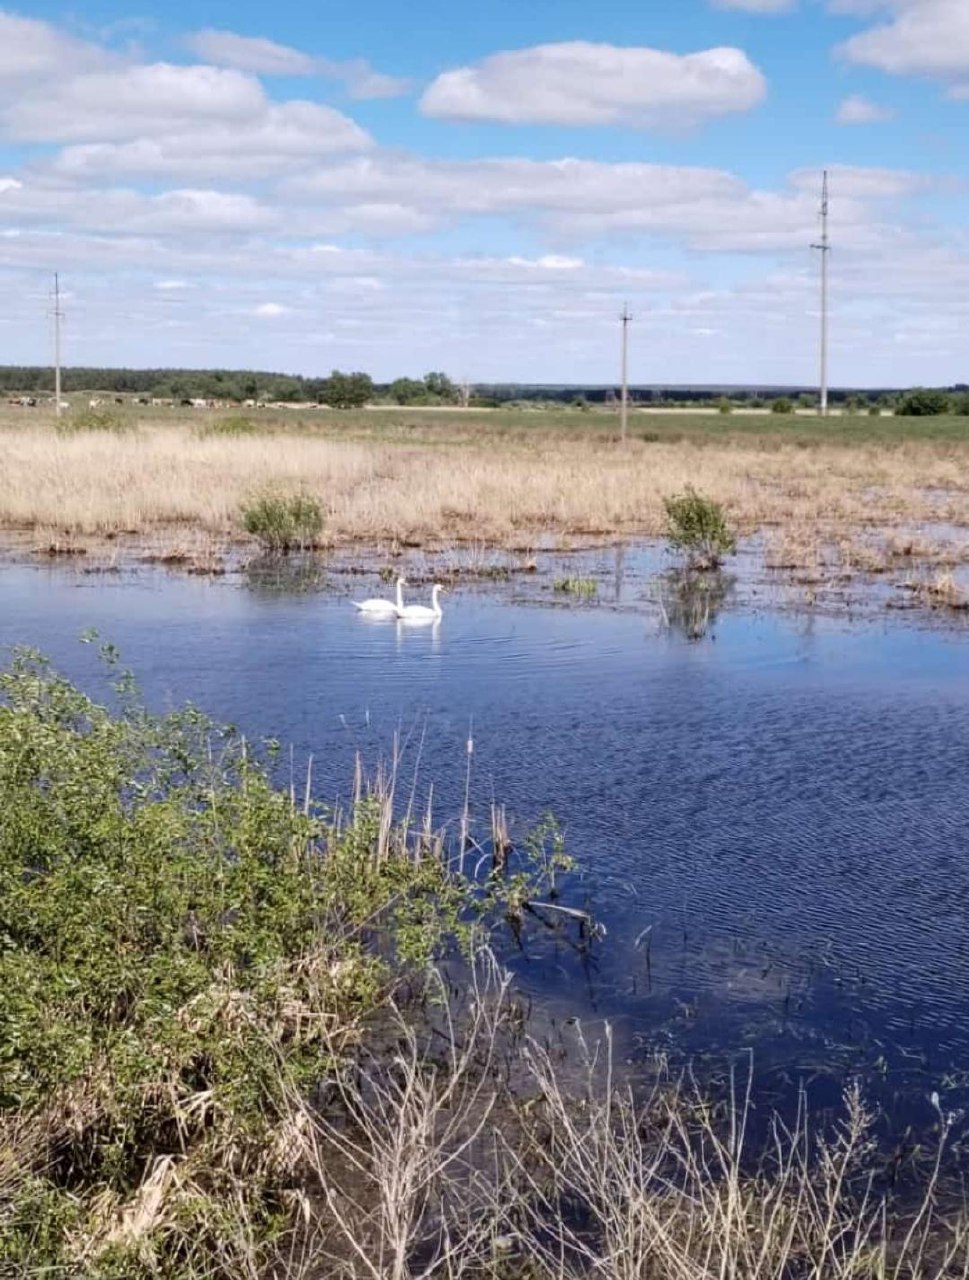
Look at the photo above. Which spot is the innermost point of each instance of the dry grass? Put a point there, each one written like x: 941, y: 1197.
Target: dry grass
x: 943, y: 592
x: 510, y: 489
x: 472, y: 1153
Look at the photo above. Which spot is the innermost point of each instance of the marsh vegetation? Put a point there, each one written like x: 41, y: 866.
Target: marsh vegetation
x: 504, y: 480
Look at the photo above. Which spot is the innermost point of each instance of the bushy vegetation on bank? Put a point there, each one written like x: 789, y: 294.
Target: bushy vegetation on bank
x: 184, y: 949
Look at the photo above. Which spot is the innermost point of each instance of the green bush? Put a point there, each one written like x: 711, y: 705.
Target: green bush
x: 725, y: 405
x: 698, y: 526
x: 235, y: 425
x: 284, y: 522
x: 92, y: 420
x: 782, y: 405
x: 922, y: 403
x: 184, y: 948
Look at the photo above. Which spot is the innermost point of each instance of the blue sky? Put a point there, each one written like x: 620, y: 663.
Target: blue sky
x: 480, y: 189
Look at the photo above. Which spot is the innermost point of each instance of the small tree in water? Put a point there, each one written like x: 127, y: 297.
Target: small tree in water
x: 698, y: 526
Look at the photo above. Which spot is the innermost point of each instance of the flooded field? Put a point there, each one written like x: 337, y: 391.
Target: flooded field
x: 767, y: 804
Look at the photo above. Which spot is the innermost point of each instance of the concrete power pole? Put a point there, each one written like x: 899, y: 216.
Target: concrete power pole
x: 824, y: 248
x: 625, y: 318
x: 58, y: 316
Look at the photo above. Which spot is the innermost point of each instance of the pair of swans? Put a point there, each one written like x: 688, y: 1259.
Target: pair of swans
x: 380, y: 608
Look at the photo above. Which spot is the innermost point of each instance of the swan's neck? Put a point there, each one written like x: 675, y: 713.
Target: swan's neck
x: 400, y: 595
x: 435, y: 602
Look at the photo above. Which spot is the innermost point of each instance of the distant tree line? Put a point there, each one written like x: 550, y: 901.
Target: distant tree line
x: 340, y: 390
x: 352, y: 390
x: 210, y: 384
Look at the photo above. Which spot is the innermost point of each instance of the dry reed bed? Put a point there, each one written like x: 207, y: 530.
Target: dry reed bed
x: 151, y: 481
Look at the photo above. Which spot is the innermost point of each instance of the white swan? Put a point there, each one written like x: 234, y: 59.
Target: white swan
x: 421, y: 612
x: 384, y: 608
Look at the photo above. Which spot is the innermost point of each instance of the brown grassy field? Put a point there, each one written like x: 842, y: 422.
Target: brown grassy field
x: 525, y: 480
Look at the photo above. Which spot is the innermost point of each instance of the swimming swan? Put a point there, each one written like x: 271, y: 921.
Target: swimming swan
x: 384, y: 608
x: 421, y: 612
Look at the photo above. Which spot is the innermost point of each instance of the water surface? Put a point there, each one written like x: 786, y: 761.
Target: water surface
x: 772, y: 822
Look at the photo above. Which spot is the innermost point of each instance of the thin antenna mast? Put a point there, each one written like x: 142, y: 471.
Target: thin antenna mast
x: 824, y: 248
x: 58, y: 316
x: 625, y: 318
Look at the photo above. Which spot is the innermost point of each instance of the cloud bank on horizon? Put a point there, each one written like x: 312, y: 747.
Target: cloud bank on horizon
x: 484, y: 199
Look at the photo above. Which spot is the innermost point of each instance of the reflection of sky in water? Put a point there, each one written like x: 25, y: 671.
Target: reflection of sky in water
x: 784, y: 809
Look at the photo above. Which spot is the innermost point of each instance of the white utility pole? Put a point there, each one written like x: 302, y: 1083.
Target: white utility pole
x: 824, y: 248
x: 625, y: 318
x: 58, y: 316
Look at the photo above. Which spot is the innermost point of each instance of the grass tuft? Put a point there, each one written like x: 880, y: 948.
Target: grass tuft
x: 236, y: 425
x: 577, y: 586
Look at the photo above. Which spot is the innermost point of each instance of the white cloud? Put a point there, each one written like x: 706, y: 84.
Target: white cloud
x: 558, y: 262
x: 445, y: 189
x: 492, y: 318
x: 921, y: 37
x: 222, y: 267
x: 248, y: 53
x: 580, y: 83
x: 279, y: 136
x: 856, y: 183
x: 859, y: 110
x: 32, y: 50
x: 266, y: 57
x: 203, y: 211
x: 362, y: 81
x: 757, y: 6
x: 125, y: 117
x: 709, y: 209
x: 128, y: 103
x: 126, y: 213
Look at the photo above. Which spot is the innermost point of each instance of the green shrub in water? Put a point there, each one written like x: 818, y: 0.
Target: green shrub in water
x: 284, y: 522
x: 698, y: 526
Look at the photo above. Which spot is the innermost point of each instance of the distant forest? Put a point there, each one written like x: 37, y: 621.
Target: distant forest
x: 433, y: 388
x: 210, y: 384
